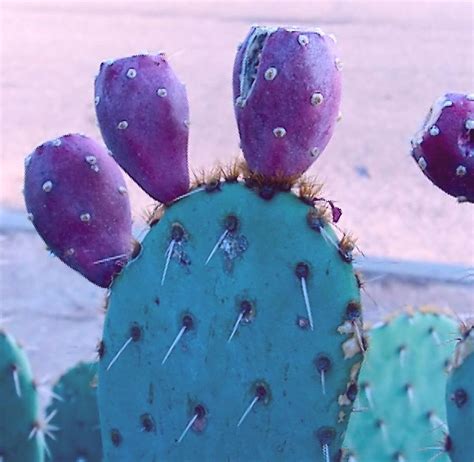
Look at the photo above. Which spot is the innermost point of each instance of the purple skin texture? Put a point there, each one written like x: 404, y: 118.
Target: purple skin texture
x: 444, y: 146
x: 76, y: 198
x: 287, y: 90
x: 143, y: 114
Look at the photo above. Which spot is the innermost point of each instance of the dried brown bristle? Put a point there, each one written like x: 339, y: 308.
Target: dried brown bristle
x: 155, y: 215
x: 308, y: 189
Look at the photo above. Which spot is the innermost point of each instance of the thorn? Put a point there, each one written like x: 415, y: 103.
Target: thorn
x: 306, y: 302
x: 359, y: 337
x: 328, y: 238
x: 190, y: 424
x: 236, y: 325
x: 104, y: 260
x: 125, y: 345
x: 435, y: 336
x: 168, y: 254
x: 249, y: 408
x: 190, y: 193
x: 383, y: 428
x: 326, y: 452
x: 368, y: 394
x: 402, y: 354
x: 323, y: 382
x: 218, y: 244
x: 176, y: 340
x: 436, y: 422
x: 410, y: 393
x: 16, y: 380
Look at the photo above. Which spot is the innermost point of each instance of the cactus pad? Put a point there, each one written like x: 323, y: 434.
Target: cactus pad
x: 402, y: 384
x: 460, y: 401
x: 18, y: 406
x: 77, y: 416
x: 209, y: 348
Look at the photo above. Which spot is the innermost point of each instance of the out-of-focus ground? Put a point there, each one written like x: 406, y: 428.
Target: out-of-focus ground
x: 398, y: 57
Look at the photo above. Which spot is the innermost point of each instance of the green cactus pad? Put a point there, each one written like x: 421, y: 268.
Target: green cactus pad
x: 18, y: 406
x: 402, y: 384
x: 267, y: 251
x: 460, y: 401
x: 76, y: 415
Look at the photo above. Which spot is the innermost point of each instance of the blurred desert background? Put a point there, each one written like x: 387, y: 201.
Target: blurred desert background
x: 398, y: 58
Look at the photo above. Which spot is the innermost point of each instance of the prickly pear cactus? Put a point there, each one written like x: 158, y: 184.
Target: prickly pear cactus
x: 287, y: 90
x: 444, y: 146
x: 74, y: 407
x: 234, y: 335
x: 76, y: 198
x: 402, y: 384
x: 19, y: 442
x: 460, y: 401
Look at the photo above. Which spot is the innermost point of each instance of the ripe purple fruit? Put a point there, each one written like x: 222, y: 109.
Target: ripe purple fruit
x: 287, y: 89
x: 76, y: 198
x: 444, y: 146
x: 143, y: 114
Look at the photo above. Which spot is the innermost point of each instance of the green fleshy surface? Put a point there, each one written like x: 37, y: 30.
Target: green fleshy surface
x: 18, y: 414
x: 204, y: 368
x: 77, y: 416
x: 407, y: 426
x: 461, y: 418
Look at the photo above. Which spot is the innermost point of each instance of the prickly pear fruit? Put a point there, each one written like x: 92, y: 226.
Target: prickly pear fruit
x: 20, y: 440
x: 287, y: 89
x: 143, y: 114
x: 444, y: 146
x: 236, y: 334
x: 460, y: 400
x: 76, y: 198
x: 74, y: 406
x: 402, y: 384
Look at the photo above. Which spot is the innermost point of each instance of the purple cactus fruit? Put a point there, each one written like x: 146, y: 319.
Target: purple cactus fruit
x: 287, y: 89
x: 76, y: 198
x: 444, y: 146
x: 143, y: 114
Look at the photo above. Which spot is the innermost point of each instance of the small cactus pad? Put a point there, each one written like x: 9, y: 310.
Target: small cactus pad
x: 401, y: 397
x: 444, y: 146
x: 143, y: 114
x: 76, y: 415
x: 221, y: 338
x: 19, y: 442
x: 460, y: 401
x: 76, y: 197
x: 287, y: 89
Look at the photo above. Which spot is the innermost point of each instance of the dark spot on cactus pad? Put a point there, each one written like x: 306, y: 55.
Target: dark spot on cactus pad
x: 266, y: 192
x: 147, y: 423
x: 177, y: 232
x: 200, y: 411
x: 448, y: 443
x: 188, y: 322
x: 379, y: 423
x: 322, y: 363
x: 326, y: 435
x: 213, y: 185
x: 302, y: 270
x: 136, y: 249
x: 115, y: 437
x: 353, y: 311
x: 460, y: 397
x: 316, y: 219
x: 231, y: 223
x: 261, y: 392
x: 101, y: 349
x: 157, y: 300
x: 302, y: 322
x: 247, y: 309
x: 351, y: 392
x: 135, y: 332
x: 398, y: 456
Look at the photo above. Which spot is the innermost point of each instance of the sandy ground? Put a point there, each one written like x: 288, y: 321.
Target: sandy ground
x: 398, y: 56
